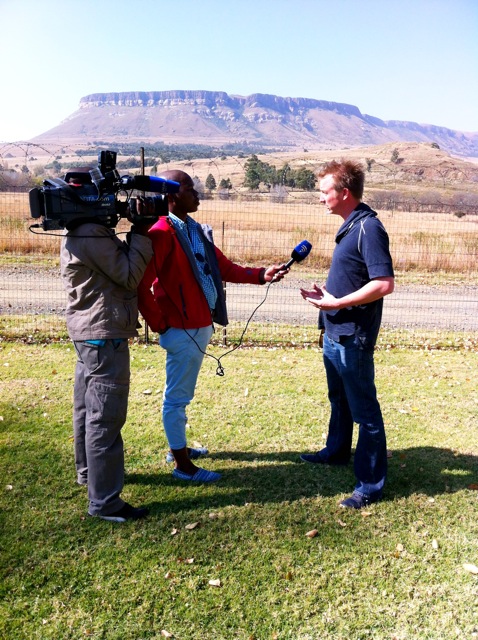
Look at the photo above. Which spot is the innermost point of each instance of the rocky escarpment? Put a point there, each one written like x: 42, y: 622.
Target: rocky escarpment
x: 215, y: 117
x: 213, y: 99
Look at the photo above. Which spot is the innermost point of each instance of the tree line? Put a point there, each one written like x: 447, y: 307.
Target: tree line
x: 258, y: 172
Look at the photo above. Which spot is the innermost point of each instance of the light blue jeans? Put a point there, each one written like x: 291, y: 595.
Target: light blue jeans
x: 183, y: 362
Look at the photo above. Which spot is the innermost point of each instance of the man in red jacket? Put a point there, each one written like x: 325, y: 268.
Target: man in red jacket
x: 186, y: 275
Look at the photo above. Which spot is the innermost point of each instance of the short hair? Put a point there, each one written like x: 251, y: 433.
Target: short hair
x: 347, y: 174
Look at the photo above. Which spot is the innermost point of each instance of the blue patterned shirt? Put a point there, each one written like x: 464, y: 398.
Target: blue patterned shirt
x: 189, y: 230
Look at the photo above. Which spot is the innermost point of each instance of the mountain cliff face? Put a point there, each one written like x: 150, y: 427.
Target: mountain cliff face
x: 217, y: 118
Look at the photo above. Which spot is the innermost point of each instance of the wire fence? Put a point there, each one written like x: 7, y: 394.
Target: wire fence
x: 434, y: 244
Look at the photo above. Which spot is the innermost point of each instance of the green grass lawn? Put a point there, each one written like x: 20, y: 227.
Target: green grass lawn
x: 395, y: 571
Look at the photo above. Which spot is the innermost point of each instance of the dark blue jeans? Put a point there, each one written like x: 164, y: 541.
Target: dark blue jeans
x: 353, y: 398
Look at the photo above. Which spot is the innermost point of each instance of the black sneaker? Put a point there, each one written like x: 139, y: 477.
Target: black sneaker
x: 356, y: 501
x: 316, y: 458
x: 127, y: 512
x: 313, y: 458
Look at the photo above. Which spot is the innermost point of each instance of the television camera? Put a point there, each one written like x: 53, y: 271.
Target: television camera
x: 98, y: 195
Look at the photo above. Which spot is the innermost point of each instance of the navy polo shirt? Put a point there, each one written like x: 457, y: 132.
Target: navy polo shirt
x: 361, y: 255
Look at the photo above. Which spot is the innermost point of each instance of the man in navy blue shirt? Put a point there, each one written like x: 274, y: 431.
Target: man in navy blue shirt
x: 350, y: 305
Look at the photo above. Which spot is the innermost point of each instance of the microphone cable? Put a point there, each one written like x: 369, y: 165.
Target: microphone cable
x: 220, y: 369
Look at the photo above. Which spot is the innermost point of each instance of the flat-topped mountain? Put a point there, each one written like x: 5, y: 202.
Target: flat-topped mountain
x: 217, y: 118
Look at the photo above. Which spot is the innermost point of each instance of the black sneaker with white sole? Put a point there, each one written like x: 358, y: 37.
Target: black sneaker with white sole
x: 357, y: 501
x: 127, y: 512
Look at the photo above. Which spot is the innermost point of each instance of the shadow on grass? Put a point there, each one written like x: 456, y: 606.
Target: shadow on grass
x: 278, y: 477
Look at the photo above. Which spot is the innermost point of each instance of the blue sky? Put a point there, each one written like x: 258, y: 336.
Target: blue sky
x: 411, y: 60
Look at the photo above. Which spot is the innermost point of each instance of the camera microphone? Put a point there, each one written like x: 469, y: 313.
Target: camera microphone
x: 152, y: 184
x: 300, y: 252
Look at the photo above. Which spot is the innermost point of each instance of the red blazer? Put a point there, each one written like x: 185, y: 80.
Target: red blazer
x: 170, y: 294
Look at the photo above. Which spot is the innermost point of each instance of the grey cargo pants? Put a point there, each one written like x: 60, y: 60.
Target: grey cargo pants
x: 100, y: 405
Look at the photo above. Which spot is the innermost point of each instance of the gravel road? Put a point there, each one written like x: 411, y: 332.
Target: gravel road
x: 33, y: 290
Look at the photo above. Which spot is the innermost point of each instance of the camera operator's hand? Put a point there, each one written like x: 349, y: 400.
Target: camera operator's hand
x: 141, y: 214
x: 145, y: 206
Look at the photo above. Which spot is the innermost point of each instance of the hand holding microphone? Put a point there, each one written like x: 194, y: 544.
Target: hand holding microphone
x: 299, y: 253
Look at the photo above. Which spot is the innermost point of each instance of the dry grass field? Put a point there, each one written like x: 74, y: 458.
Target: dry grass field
x: 252, y: 227
x: 419, y: 241
x: 251, y: 231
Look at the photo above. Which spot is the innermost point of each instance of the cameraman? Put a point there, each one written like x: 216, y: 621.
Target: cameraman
x: 100, y: 274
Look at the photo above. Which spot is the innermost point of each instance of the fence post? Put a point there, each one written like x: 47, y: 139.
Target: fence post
x: 146, y: 328
x: 224, y: 284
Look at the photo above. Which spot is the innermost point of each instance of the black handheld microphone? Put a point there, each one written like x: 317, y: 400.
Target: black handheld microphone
x: 300, y: 253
